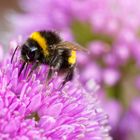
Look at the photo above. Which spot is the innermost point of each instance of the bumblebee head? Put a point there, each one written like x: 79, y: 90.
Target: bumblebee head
x: 30, y: 53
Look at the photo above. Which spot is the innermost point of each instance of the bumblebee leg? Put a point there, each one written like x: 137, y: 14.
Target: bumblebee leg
x: 51, y: 69
x: 55, y: 65
x: 14, y: 54
x: 58, y: 64
x: 68, y: 77
x: 22, y: 67
x: 35, y: 65
x: 54, y: 60
x: 50, y: 73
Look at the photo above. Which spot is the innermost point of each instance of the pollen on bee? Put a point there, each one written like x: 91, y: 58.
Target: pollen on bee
x: 72, y: 58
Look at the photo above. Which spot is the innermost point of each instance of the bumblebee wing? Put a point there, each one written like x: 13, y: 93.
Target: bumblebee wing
x: 72, y: 46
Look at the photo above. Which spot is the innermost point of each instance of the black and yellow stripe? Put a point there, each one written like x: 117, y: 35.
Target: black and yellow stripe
x: 42, y: 42
x: 72, y: 58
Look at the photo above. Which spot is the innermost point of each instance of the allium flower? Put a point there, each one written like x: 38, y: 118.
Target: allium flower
x: 110, y: 29
x: 129, y: 128
x: 31, y: 109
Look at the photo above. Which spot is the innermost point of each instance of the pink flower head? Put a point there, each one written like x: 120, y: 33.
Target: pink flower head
x: 31, y: 109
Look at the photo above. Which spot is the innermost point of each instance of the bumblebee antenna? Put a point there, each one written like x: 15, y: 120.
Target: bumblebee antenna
x: 14, y: 53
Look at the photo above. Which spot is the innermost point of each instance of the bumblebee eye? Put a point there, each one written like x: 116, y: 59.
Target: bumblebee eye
x: 33, y: 49
x: 32, y: 53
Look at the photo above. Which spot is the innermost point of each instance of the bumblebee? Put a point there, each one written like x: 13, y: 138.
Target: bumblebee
x: 47, y: 47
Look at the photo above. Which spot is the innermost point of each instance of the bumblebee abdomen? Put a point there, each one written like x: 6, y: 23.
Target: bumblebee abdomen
x: 68, y: 57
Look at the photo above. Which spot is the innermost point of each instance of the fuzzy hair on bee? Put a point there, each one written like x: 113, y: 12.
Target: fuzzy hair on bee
x: 47, y: 47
